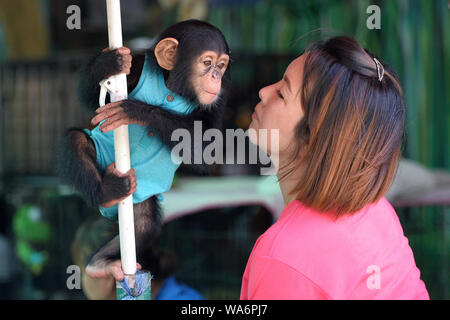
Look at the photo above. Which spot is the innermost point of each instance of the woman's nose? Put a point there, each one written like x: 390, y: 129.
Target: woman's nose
x: 262, y: 92
x: 265, y: 92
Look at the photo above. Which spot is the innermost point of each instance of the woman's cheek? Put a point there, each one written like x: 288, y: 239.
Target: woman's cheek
x: 287, y: 139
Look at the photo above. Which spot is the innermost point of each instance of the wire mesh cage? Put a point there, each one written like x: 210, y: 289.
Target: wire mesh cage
x: 37, y: 103
x: 213, y: 247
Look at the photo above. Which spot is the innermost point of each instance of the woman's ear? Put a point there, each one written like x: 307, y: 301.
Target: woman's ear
x: 165, y: 52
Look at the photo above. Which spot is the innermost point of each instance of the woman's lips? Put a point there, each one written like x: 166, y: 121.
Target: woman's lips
x: 254, y: 115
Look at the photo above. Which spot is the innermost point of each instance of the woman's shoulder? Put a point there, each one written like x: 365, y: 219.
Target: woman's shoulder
x: 302, y: 236
x: 340, y: 255
x: 323, y: 248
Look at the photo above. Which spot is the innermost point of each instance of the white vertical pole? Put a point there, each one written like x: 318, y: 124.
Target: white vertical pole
x: 122, y: 147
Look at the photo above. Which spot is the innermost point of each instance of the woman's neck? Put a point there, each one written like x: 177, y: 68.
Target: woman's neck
x: 289, y: 183
x: 286, y: 186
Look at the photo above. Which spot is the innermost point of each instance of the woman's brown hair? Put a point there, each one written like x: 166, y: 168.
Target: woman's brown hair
x: 349, y: 139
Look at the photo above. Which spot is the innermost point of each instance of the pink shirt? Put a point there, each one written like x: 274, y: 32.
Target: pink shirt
x: 309, y: 255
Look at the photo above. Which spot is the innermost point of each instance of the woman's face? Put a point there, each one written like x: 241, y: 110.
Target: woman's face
x: 280, y: 109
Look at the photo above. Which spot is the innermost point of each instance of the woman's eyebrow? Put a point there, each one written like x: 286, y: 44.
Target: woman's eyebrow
x: 288, y: 83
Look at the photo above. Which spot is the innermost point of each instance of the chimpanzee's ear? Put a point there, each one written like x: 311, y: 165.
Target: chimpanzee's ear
x: 165, y: 52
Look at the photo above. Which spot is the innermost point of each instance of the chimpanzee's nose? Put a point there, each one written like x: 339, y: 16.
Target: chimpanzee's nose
x: 216, y: 75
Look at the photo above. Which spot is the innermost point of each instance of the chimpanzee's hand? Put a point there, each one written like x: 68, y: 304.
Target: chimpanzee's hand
x: 117, y: 186
x: 120, y: 113
x: 115, y: 61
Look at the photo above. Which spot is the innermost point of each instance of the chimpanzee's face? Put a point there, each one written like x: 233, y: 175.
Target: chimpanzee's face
x: 207, y: 74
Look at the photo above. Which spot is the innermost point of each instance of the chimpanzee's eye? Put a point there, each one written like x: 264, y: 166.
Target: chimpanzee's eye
x: 207, y: 63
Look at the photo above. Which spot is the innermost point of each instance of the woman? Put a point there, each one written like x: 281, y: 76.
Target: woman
x: 340, y: 117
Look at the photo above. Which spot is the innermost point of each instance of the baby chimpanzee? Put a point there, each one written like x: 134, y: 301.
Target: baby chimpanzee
x: 183, y: 78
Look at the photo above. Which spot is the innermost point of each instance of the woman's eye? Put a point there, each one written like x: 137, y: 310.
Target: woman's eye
x: 279, y: 94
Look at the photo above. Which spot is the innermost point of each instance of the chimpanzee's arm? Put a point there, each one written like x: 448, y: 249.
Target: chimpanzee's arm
x: 102, y: 66
x: 163, y: 122
x: 77, y: 166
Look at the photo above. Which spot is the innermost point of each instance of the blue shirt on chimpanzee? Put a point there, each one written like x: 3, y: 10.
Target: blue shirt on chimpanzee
x: 148, y: 155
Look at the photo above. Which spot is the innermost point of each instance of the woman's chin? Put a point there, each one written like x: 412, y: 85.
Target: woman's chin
x: 253, y: 133
x: 253, y: 125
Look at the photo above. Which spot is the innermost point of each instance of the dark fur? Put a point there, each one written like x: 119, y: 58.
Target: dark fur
x: 147, y: 227
x: 78, y: 166
x: 78, y: 159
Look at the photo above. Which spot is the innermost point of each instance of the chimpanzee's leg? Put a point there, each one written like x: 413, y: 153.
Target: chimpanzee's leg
x: 147, y: 224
